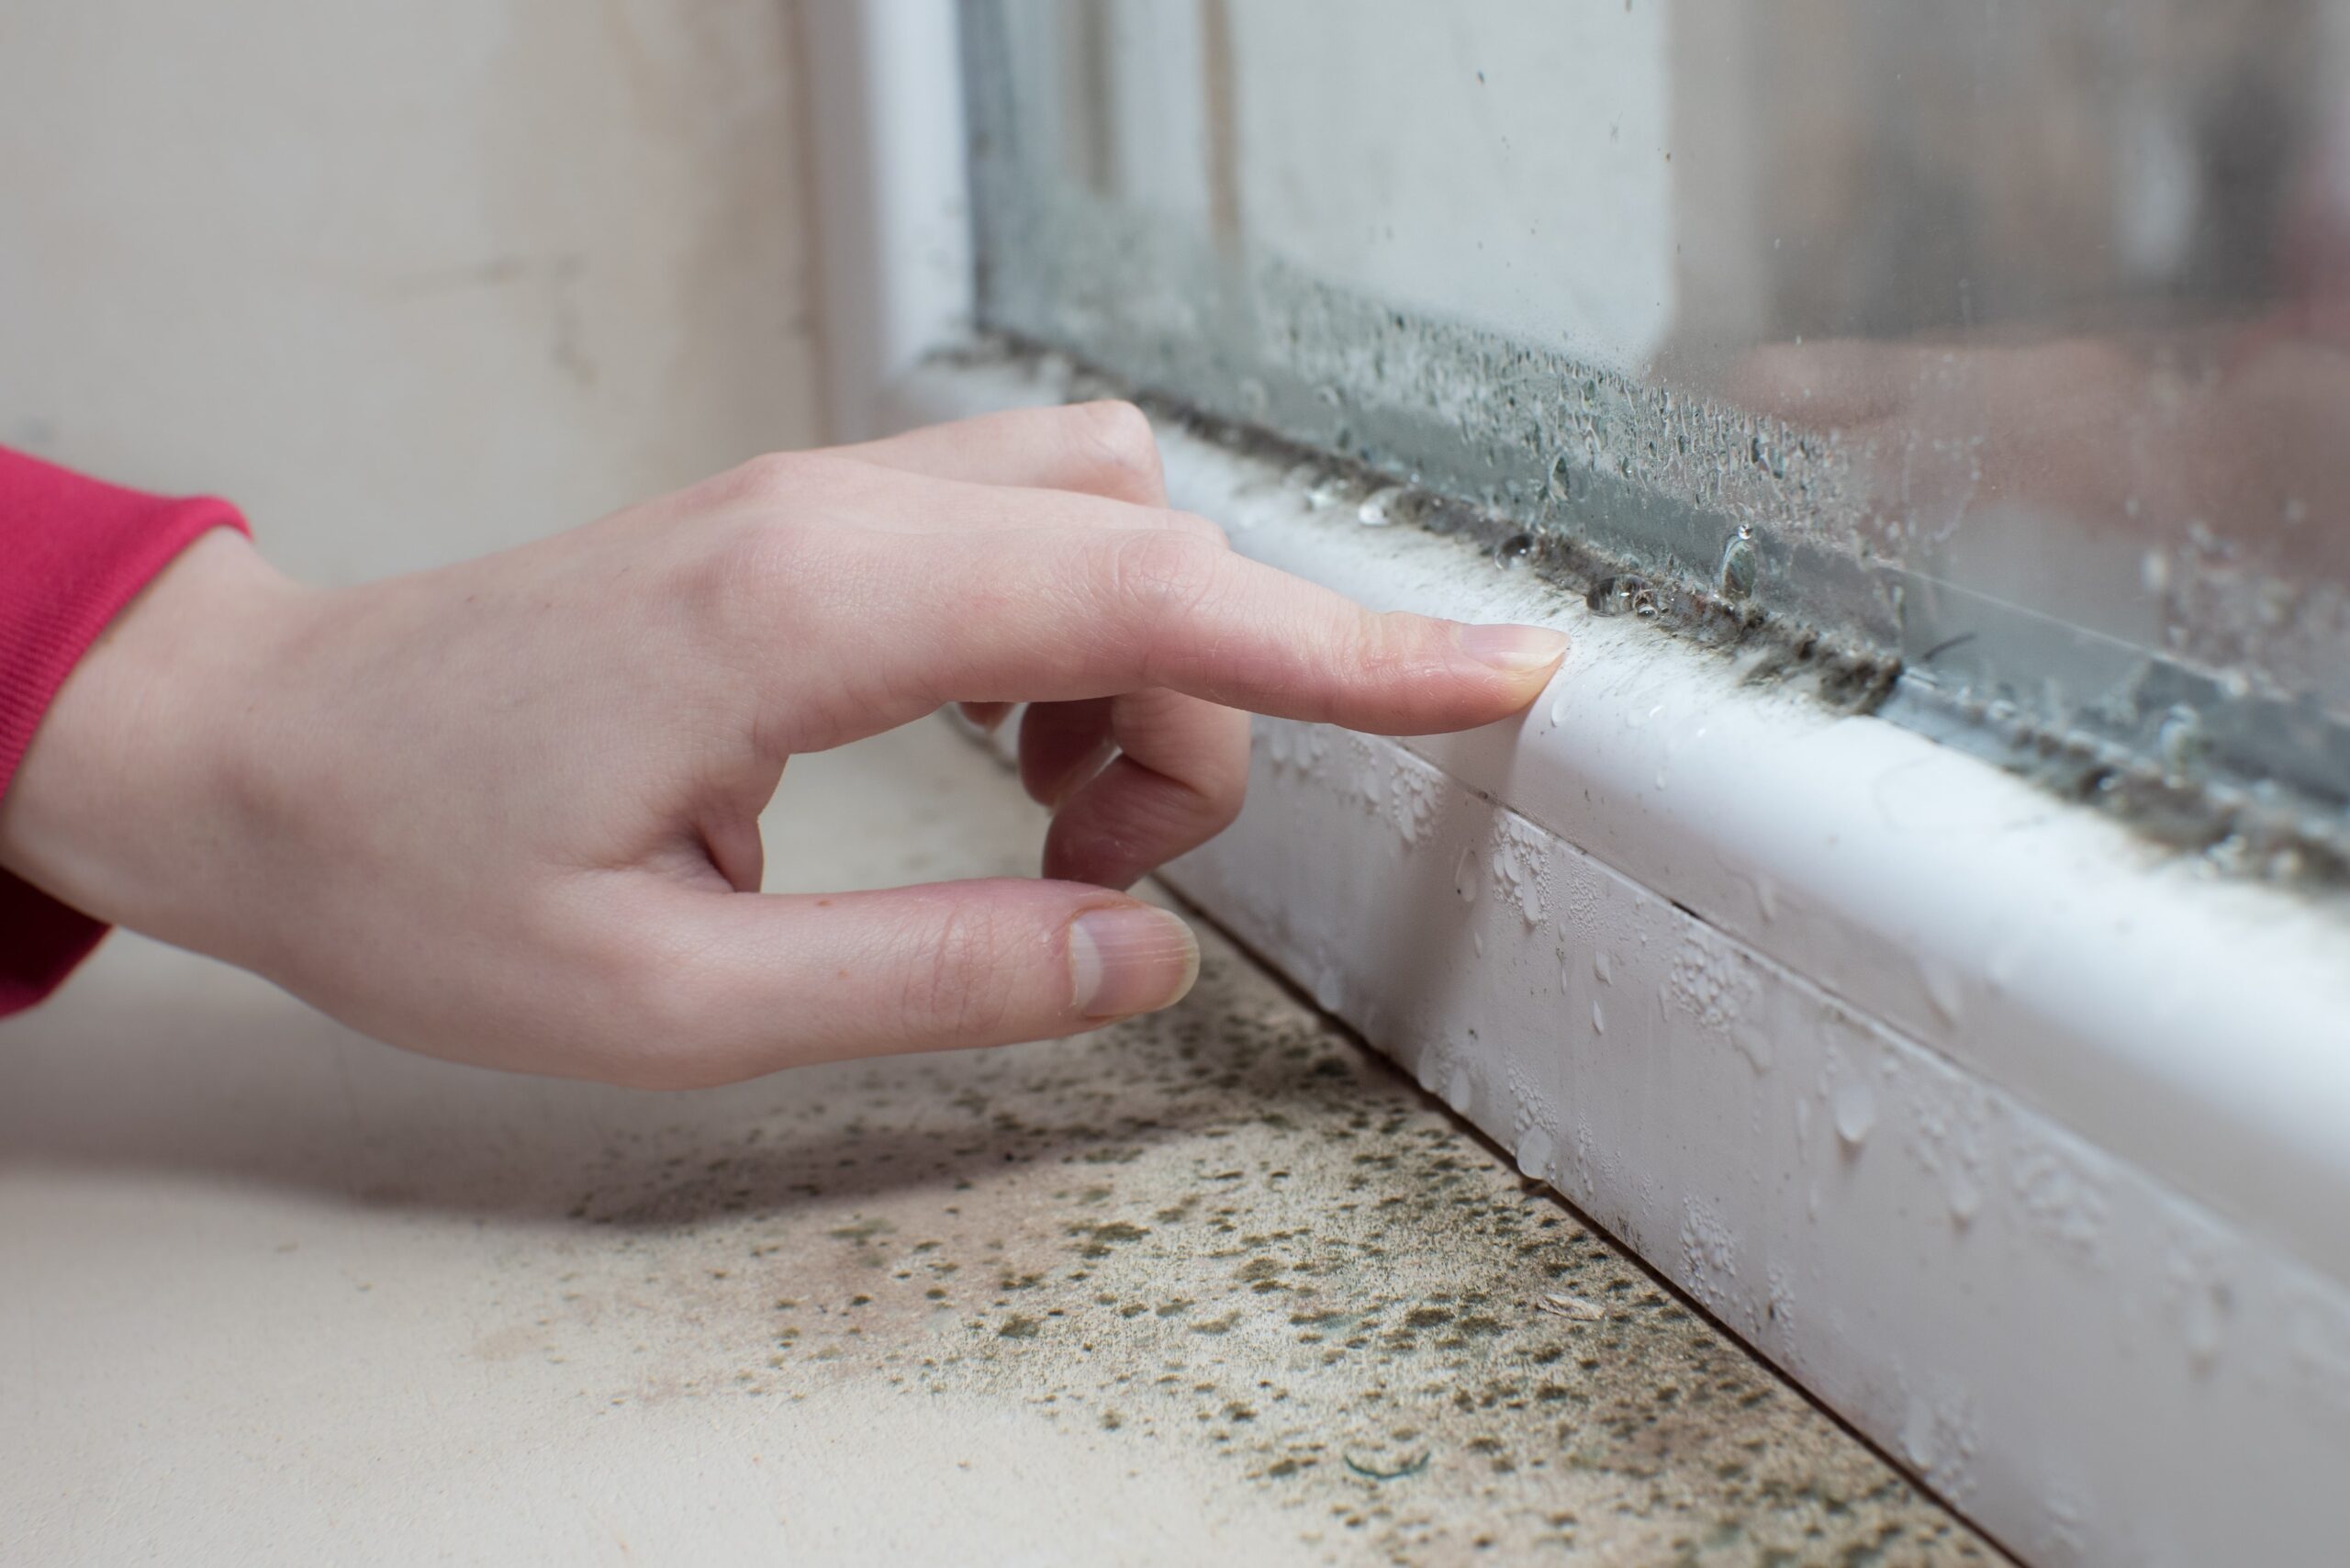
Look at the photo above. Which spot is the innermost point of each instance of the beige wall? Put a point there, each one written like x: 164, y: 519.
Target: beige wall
x: 409, y: 279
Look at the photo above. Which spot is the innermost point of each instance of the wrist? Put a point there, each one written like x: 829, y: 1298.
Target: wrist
x: 116, y: 807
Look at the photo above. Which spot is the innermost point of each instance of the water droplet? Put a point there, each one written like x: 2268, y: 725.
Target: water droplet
x: 2181, y: 743
x: 1598, y: 1018
x: 1464, y: 875
x: 1562, y: 476
x: 1327, y: 492
x: 1378, y: 508
x: 1329, y: 991
x: 1917, y: 1434
x: 1534, y: 1154
x: 1966, y: 1197
x: 1766, y: 896
x: 1459, y: 1091
x: 1512, y: 550
x: 1477, y: 940
x: 1855, y: 1109
x: 1559, y: 709
x: 1622, y: 595
x: 1941, y: 983
x: 1739, y: 564
x: 1602, y: 968
x: 2153, y: 571
x: 2202, y: 1315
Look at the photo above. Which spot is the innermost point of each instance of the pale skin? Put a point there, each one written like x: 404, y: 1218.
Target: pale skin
x: 507, y: 811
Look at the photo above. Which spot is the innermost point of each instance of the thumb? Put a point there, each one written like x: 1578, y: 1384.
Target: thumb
x: 780, y: 981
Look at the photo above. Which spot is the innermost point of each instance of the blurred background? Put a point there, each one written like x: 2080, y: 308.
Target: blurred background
x: 407, y: 280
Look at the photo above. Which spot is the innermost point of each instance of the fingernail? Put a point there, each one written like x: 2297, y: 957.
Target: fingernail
x: 1521, y: 649
x: 1130, y: 958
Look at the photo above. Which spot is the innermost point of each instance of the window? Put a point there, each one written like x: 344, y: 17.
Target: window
x: 2004, y: 349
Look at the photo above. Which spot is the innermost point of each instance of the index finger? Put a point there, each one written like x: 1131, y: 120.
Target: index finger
x: 1058, y: 616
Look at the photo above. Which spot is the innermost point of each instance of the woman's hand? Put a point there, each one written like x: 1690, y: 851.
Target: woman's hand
x: 507, y: 811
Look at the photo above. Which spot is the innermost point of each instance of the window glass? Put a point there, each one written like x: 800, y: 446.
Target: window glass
x: 2004, y: 349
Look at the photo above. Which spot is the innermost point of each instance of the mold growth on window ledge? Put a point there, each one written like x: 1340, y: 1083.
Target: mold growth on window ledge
x: 2170, y: 788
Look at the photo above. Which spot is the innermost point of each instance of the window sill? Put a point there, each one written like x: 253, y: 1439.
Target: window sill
x: 2021, y: 1143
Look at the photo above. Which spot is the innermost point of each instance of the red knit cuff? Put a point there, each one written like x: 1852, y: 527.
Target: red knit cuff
x: 73, y: 551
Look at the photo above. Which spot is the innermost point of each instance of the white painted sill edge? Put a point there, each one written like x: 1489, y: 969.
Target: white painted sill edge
x: 2022, y: 1143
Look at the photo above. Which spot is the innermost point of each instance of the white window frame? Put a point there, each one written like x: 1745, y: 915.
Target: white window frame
x: 2021, y: 1144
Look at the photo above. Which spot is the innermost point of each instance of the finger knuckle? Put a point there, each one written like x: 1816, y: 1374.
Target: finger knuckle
x: 767, y: 480
x: 1203, y: 528
x: 1156, y: 583
x: 749, y: 584
x: 1116, y: 436
x: 644, y: 1020
x: 1161, y: 574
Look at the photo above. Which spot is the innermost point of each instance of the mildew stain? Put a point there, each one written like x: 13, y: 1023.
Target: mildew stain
x: 1228, y: 1241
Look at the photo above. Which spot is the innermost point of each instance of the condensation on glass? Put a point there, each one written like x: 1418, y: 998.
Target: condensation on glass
x: 2007, y: 344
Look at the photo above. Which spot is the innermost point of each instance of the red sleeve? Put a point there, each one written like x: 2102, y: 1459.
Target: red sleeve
x: 72, y: 553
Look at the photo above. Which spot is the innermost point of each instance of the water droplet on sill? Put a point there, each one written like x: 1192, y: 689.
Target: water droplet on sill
x: 1329, y: 991
x: 1855, y: 1111
x: 1942, y: 986
x: 1739, y: 564
x: 1378, y: 509
x: 1464, y: 876
x: 2201, y: 1324
x: 1327, y: 493
x: 1534, y: 1154
x: 1622, y: 595
x: 2181, y: 743
x: 1598, y: 1018
x: 1562, y: 477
